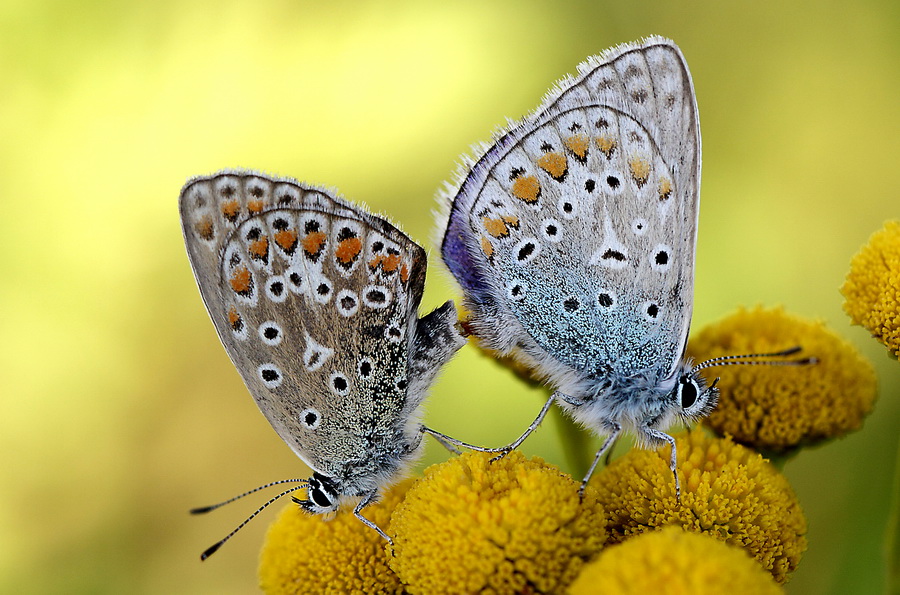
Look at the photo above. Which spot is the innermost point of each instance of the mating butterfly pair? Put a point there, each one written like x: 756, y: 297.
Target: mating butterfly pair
x: 572, y: 236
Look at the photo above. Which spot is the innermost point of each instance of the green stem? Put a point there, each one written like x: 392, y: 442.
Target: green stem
x: 891, y: 545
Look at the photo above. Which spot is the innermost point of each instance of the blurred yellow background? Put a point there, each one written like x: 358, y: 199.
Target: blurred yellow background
x: 120, y: 410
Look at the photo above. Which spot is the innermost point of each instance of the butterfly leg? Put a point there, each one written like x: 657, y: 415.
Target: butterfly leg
x: 607, y: 445
x: 673, y: 461
x: 451, y: 443
x: 503, y: 450
x: 357, y: 512
x: 443, y: 441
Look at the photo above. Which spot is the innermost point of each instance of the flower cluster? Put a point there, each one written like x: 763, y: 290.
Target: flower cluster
x: 305, y: 553
x: 872, y: 288
x: 509, y: 526
x: 672, y: 560
x: 775, y: 408
x: 727, y: 491
x: 482, y: 524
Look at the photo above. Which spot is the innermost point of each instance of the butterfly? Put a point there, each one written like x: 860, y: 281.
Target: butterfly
x: 315, y: 300
x: 573, y: 238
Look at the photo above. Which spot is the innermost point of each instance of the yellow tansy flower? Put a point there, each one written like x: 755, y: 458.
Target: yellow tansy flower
x: 776, y: 409
x: 304, y: 553
x: 510, y: 526
x: 727, y: 491
x: 872, y: 288
x: 675, y: 562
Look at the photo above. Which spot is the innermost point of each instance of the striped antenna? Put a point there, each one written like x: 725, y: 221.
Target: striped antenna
x: 212, y: 549
x: 752, y: 359
x: 204, y: 509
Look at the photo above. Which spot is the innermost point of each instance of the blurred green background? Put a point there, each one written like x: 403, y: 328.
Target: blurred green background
x: 120, y: 409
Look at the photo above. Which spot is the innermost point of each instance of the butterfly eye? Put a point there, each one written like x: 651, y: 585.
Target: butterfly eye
x: 319, y: 498
x: 688, y: 391
x: 322, y: 494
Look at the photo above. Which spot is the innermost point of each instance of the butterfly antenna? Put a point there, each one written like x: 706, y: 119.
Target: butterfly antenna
x: 752, y: 359
x: 212, y: 549
x: 204, y: 509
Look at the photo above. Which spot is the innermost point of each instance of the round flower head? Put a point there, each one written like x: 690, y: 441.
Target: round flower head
x: 509, y: 526
x: 872, y: 288
x: 672, y: 560
x: 304, y: 553
x: 776, y: 409
x: 727, y: 491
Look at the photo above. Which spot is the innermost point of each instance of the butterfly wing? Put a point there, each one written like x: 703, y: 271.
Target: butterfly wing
x: 574, y: 235
x: 315, y: 301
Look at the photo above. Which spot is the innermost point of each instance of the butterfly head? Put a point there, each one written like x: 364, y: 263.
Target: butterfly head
x: 322, y: 495
x: 691, y: 397
x: 696, y: 400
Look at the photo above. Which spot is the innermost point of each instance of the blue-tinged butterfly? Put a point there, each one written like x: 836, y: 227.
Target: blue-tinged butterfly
x: 573, y: 237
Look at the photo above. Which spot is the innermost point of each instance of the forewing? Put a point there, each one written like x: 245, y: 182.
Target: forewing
x: 315, y: 301
x: 581, y: 222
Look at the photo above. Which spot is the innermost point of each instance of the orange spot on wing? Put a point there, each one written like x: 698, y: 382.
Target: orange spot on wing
x: 255, y: 206
x: 241, y: 280
x: 234, y: 319
x: 348, y: 250
x: 640, y: 170
x: 553, y: 163
x: 487, y: 247
x: 665, y: 189
x: 511, y: 220
x: 578, y: 144
x: 313, y: 242
x: 499, y: 227
x: 607, y: 144
x: 205, y: 228
x: 496, y: 227
x: 404, y: 273
x: 287, y: 239
x: 390, y: 263
x: 259, y: 248
x: 526, y: 188
x: 230, y: 209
